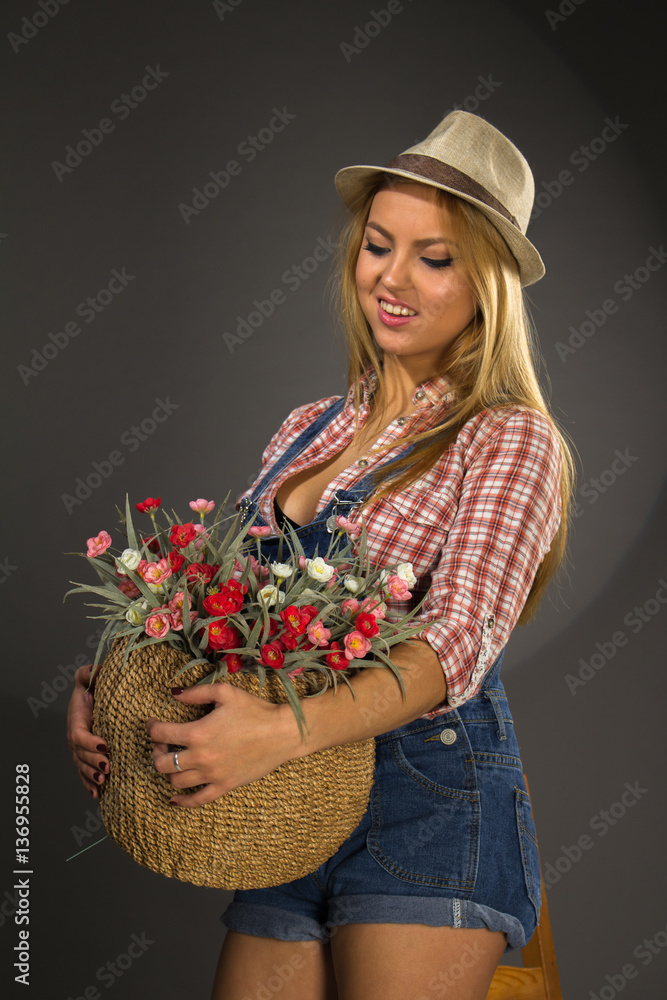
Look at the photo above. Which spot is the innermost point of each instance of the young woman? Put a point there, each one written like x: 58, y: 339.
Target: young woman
x: 445, y: 447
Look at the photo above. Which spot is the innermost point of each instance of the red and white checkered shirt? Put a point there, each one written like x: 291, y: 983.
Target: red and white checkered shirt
x: 475, y: 527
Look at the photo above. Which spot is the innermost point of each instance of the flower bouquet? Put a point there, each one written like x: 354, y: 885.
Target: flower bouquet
x: 193, y: 603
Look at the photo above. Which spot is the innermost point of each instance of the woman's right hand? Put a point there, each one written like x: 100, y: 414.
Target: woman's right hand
x: 88, y: 750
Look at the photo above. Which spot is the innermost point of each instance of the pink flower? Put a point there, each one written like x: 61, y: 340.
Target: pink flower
x: 98, y: 545
x: 154, y: 573
x: 374, y: 606
x: 295, y: 672
x: 204, y: 535
x: 356, y: 645
x: 350, y: 527
x: 158, y: 624
x: 318, y: 634
x: 398, y: 588
x: 258, y: 531
x: 303, y: 562
x: 176, y: 619
x: 202, y: 506
x: 127, y: 587
x: 351, y: 604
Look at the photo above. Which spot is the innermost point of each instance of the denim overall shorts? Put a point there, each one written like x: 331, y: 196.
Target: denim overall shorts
x: 448, y: 837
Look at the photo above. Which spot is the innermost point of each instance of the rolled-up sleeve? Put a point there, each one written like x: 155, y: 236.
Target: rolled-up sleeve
x: 508, y: 512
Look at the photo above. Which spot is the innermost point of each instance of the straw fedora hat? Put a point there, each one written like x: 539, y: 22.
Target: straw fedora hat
x: 473, y: 160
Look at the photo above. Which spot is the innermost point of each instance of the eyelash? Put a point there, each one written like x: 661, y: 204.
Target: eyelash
x: 436, y: 264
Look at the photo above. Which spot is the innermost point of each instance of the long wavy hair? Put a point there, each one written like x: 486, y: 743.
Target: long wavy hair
x: 494, y: 362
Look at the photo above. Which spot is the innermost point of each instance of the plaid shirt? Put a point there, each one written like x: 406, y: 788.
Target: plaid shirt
x: 475, y: 527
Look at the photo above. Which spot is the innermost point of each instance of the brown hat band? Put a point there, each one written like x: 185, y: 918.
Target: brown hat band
x: 435, y: 170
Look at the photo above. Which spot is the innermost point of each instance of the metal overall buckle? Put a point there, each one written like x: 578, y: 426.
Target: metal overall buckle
x: 338, y: 502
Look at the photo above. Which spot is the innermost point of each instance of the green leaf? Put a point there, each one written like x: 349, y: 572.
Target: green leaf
x: 129, y: 527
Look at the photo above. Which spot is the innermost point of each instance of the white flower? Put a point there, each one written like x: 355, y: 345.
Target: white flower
x: 355, y: 584
x: 270, y: 595
x: 404, y: 572
x: 318, y: 569
x: 283, y: 570
x: 128, y: 559
x: 136, y: 612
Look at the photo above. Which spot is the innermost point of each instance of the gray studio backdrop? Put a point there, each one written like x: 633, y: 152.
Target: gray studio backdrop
x: 168, y: 230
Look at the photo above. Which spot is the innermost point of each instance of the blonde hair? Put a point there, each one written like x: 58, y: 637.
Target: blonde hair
x: 492, y: 363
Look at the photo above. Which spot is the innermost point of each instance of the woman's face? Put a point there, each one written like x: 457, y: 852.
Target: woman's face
x: 408, y: 262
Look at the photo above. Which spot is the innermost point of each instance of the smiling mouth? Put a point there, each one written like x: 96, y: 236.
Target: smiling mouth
x: 396, y: 310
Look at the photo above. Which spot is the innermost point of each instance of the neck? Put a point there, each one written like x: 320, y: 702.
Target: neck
x: 402, y: 376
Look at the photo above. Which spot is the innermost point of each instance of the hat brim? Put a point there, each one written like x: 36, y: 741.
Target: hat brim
x: 350, y: 182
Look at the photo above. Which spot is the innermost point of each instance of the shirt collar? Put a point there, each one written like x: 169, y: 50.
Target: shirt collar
x: 434, y: 392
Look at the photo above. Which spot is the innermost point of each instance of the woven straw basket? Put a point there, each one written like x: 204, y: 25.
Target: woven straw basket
x: 276, y: 829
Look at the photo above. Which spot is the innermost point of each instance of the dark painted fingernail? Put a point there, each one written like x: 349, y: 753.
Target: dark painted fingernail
x: 176, y: 691
x: 97, y: 776
x: 101, y: 747
x: 92, y: 792
x: 172, y: 802
x: 103, y: 765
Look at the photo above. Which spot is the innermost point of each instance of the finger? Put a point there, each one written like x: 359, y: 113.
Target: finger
x: 179, y: 733
x: 207, y: 794
x: 94, y: 760
x: 164, y: 760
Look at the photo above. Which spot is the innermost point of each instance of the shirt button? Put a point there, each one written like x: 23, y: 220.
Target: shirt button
x: 362, y: 463
x: 448, y: 736
x: 420, y: 394
x: 402, y: 421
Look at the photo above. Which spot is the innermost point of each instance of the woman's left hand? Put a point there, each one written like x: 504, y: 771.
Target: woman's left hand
x: 242, y: 739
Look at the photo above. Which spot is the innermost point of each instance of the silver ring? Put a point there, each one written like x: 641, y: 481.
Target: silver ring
x: 176, y: 764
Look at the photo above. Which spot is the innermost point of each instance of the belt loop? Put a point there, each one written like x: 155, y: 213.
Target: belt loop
x: 493, y: 698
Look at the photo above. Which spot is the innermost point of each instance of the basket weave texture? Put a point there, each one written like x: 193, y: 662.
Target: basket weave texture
x: 276, y: 829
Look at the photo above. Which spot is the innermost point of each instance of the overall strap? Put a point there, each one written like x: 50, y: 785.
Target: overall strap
x: 297, y: 446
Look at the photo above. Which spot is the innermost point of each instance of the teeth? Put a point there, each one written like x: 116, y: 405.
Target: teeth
x: 397, y: 310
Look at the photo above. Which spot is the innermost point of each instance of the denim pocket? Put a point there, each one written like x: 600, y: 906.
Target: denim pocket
x: 530, y: 858
x: 425, y: 816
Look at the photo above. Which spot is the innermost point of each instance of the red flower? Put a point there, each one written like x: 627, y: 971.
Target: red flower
x: 200, y: 572
x: 182, y: 534
x: 150, y: 503
x: 311, y: 611
x: 289, y: 640
x: 152, y: 543
x: 176, y: 561
x: 337, y: 659
x: 295, y: 620
x: 272, y: 655
x: 223, y: 636
x: 273, y: 628
x: 233, y: 662
x: 367, y: 624
x: 227, y: 600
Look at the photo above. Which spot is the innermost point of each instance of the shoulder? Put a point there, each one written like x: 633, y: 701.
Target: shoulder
x: 515, y: 428
x: 297, y: 421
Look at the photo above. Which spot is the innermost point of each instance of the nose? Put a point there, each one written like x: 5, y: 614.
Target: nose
x: 396, y: 273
